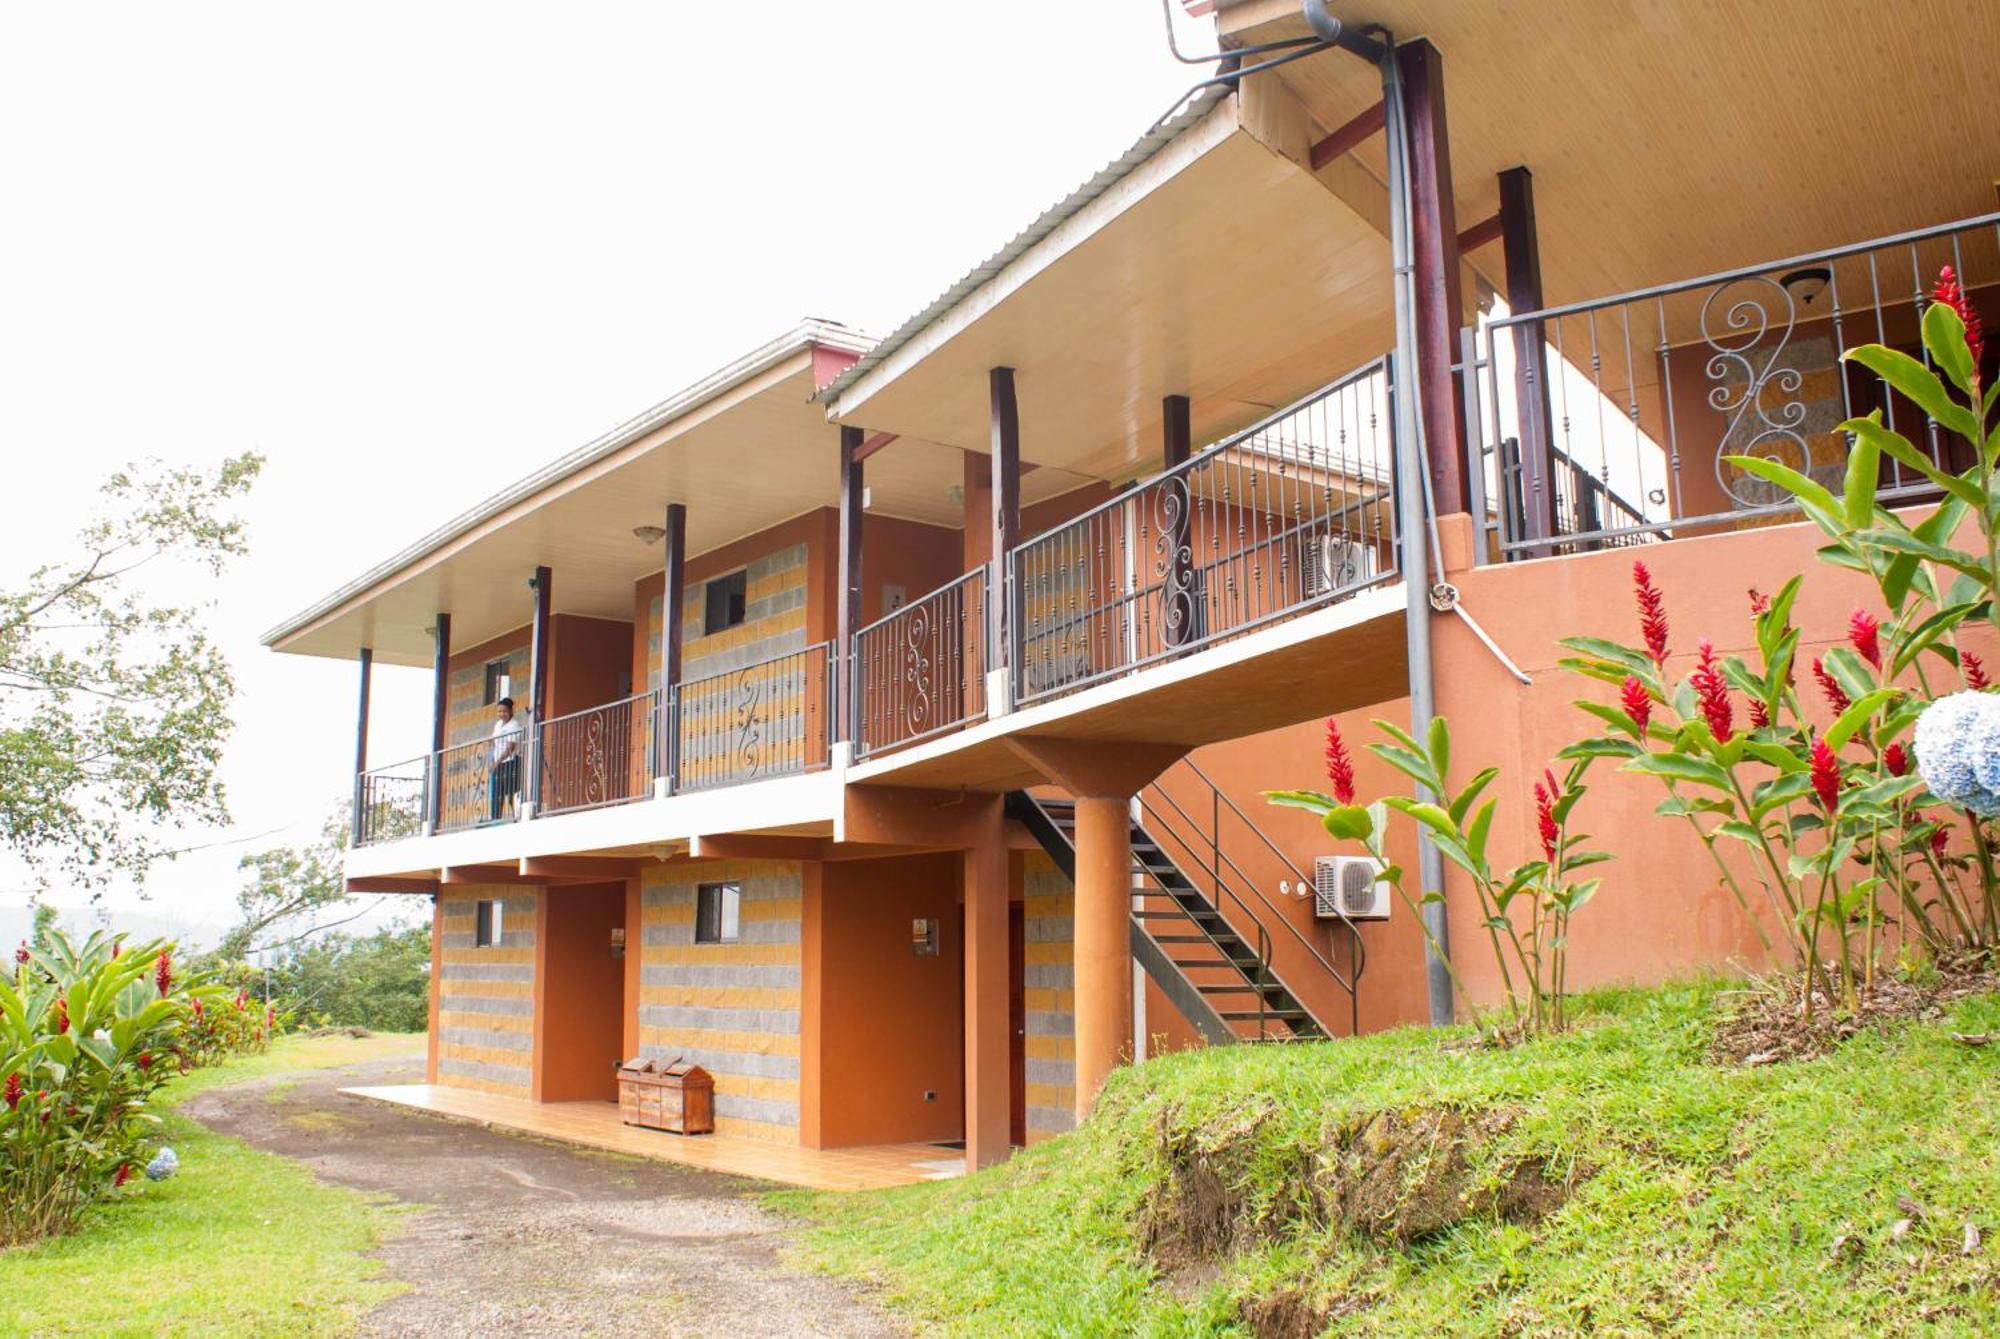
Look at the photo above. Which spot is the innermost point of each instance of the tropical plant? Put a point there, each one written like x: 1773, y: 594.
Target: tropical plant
x: 1525, y: 910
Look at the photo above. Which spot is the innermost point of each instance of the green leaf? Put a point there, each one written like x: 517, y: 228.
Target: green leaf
x: 1440, y: 748
x: 1633, y: 662
x: 1864, y: 463
x: 1429, y: 815
x: 1612, y: 716
x: 1312, y: 801
x: 1919, y: 384
x: 1858, y: 715
x: 1462, y: 804
x: 1870, y: 435
x: 1411, y: 764
x: 1920, y: 638
x: 1777, y: 792
x: 1738, y: 829
x: 1599, y: 748
x: 1776, y: 755
x: 1956, y: 559
x: 1850, y: 671
x: 1680, y: 767
x: 1475, y: 837
x: 1819, y: 504
x: 1944, y: 340
x: 1348, y: 823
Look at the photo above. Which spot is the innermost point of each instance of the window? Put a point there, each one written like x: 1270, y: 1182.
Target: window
x: 486, y: 924
x: 717, y: 912
x: 496, y: 681
x: 725, y: 600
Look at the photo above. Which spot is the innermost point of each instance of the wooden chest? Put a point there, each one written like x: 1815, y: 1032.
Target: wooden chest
x: 676, y: 1096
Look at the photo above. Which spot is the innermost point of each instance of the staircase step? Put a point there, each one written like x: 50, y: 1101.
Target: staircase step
x: 1275, y: 1015
x: 1178, y: 915
x: 1182, y: 939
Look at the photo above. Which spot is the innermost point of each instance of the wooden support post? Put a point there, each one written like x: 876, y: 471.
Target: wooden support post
x: 1347, y: 138
x: 1434, y: 259
x: 1182, y: 602
x: 1006, y: 461
x: 1103, y: 944
x: 440, y: 712
x: 1531, y: 386
x: 361, y: 746
x: 847, y: 612
x: 672, y: 614
x: 538, y: 686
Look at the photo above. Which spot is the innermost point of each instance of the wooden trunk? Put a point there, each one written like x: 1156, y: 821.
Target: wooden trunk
x: 676, y: 1097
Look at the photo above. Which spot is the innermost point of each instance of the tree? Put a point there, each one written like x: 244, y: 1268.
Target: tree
x: 47, y: 922
x: 379, y: 981
x: 288, y: 885
x: 114, y: 704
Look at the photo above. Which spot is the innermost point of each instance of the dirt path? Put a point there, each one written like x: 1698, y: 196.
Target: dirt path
x: 521, y: 1238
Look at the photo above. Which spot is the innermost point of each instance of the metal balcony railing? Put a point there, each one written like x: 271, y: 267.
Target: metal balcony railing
x: 478, y: 787
x: 391, y: 802
x: 1293, y: 512
x: 1608, y: 422
x: 601, y: 755
x: 770, y: 719
x: 920, y: 670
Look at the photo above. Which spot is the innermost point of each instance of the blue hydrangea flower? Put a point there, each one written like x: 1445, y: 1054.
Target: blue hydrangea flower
x: 1958, y: 751
x: 163, y: 1165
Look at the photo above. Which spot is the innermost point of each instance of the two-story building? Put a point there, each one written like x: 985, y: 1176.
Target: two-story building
x: 893, y: 714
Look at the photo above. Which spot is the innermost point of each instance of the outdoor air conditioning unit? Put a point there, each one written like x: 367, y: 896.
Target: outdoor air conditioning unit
x: 1347, y: 887
x: 1331, y: 563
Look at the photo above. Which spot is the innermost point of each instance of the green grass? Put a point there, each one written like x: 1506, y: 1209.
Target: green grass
x: 1711, y: 1202
x: 237, y: 1243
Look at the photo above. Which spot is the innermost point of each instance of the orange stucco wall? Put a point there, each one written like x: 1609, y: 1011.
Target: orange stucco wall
x: 889, y: 1019
x: 581, y: 1030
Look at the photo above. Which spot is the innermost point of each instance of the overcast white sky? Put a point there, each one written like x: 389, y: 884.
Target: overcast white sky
x: 411, y: 252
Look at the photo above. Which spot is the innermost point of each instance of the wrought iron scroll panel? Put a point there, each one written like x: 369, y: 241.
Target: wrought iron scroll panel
x: 770, y: 719
x: 920, y: 670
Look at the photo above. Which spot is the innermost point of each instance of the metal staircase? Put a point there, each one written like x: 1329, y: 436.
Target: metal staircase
x: 1201, y: 927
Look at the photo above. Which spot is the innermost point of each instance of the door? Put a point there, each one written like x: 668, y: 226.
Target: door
x: 1017, y: 1024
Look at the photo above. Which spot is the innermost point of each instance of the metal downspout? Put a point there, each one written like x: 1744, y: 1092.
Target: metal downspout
x: 1413, y: 519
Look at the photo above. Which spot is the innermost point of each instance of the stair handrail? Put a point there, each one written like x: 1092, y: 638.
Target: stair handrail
x: 1348, y: 984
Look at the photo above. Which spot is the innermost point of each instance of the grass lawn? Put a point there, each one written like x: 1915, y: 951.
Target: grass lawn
x: 1704, y: 1200
x: 237, y: 1243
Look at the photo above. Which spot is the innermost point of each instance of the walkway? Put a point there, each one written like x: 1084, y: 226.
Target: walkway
x: 596, y: 1125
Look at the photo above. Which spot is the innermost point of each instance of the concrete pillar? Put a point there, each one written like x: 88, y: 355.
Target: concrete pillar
x: 1103, y: 949
x: 988, y: 1095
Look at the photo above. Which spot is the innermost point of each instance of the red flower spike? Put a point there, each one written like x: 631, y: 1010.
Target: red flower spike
x: 1975, y: 672
x: 124, y: 1175
x: 1834, y: 697
x: 1339, y: 766
x: 62, y: 1017
x: 1636, y: 701
x: 1864, y: 635
x: 1949, y: 292
x: 1825, y: 775
x: 163, y: 975
x: 1939, y: 840
x: 1760, y: 604
x: 12, y: 1092
x: 1760, y: 715
x: 117, y: 949
x: 1713, y: 693
x: 1545, y: 816
x: 21, y: 954
x: 1895, y: 761
x: 145, y: 1061
x: 1652, y: 613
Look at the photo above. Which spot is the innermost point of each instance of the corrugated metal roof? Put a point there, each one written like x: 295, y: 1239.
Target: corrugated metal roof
x: 1163, y: 133
x: 802, y: 337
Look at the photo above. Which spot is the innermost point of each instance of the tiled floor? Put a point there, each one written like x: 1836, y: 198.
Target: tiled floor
x: 596, y: 1125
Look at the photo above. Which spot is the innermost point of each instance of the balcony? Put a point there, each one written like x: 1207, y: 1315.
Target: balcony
x: 1608, y: 423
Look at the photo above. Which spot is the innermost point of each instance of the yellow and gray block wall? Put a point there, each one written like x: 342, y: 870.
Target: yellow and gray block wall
x: 774, y: 620
x: 731, y: 1008
x: 1048, y: 906
x: 486, y: 996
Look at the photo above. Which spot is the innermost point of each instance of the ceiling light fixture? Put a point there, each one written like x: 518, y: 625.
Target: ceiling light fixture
x: 648, y: 534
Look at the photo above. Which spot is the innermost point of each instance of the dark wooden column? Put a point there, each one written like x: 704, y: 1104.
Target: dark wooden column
x: 1434, y: 259
x: 361, y: 743
x: 1006, y: 463
x: 847, y: 608
x: 1182, y: 602
x: 538, y: 687
x: 1531, y: 389
x: 440, y: 708
x: 672, y: 616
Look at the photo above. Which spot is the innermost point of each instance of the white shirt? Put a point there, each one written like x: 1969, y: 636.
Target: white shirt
x: 506, y: 739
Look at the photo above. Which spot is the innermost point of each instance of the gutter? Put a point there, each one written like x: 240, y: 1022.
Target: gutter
x: 799, y: 339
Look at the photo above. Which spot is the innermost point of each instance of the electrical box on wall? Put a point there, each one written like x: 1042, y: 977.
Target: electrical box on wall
x: 924, y: 937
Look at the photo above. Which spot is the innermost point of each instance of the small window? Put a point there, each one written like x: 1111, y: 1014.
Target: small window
x: 487, y: 927
x: 717, y: 913
x: 496, y: 681
x: 725, y: 601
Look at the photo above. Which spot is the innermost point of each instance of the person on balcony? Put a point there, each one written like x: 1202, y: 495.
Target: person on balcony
x: 504, y: 783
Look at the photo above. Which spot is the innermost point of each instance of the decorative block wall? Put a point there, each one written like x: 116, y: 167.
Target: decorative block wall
x: 1049, y: 912
x: 774, y: 620
x: 733, y: 1009
x: 486, y: 997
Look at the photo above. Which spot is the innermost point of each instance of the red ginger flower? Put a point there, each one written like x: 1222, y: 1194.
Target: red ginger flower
x: 1760, y: 715
x: 1939, y: 840
x: 1713, y: 693
x: 1863, y: 633
x: 1636, y: 701
x: 1835, y: 698
x: 62, y: 1016
x: 1895, y: 761
x: 145, y: 1061
x: 1652, y: 613
x: 124, y: 1174
x: 117, y: 949
x: 1339, y: 766
x: 1949, y: 292
x: 12, y: 1091
x: 163, y: 975
x: 1545, y: 816
x: 1825, y: 775
x: 1760, y: 603
x: 1975, y: 671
